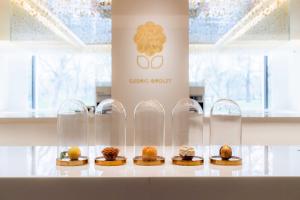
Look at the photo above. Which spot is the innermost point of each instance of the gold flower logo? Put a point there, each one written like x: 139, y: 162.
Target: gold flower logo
x: 150, y: 38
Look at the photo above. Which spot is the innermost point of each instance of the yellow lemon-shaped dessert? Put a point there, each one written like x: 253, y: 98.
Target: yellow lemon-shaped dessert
x: 74, y: 153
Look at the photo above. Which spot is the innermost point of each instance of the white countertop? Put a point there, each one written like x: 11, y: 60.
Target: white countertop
x: 258, y: 161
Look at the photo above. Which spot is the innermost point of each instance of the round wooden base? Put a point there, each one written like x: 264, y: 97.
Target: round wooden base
x: 138, y: 160
x: 83, y: 160
x: 233, y: 161
x: 196, y: 161
x: 120, y: 160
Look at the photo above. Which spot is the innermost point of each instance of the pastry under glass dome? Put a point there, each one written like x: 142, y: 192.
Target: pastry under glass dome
x: 72, y: 125
x: 187, y: 133
x: 110, y: 131
x: 149, y: 133
x: 225, y: 133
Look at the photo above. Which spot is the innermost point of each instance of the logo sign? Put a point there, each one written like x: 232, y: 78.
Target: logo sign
x: 150, y: 53
x: 150, y: 39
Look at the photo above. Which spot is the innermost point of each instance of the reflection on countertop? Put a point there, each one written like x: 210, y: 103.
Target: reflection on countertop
x: 262, y: 161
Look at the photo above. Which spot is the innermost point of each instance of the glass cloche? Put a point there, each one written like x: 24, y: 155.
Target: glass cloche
x: 149, y: 133
x: 72, y: 125
x: 225, y: 133
x: 187, y: 133
x: 110, y: 131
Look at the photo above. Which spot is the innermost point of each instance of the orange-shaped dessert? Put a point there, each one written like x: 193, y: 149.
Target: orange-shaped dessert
x: 110, y: 153
x: 149, y: 154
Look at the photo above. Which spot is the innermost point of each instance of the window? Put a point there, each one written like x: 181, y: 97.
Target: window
x: 63, y: 76
x: 284, y: 82
x: 31, y: 81
x: 15, y: 81
x: 44, y: 80
x: 233, y: 74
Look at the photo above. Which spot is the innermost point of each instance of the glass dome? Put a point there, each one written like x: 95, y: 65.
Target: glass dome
x: 225, y: 133
x: 149, y: 133
x: 187, y: 133
x: 110, y: 131
x: 72, y: 123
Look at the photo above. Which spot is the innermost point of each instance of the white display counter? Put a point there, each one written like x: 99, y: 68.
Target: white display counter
x: 268, y: 172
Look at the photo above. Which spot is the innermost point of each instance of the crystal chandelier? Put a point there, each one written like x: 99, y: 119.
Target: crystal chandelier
x: 194, y: 8
x: 103, y: 7
x: 82, y: 8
